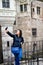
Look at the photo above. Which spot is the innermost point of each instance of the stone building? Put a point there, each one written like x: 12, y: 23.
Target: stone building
x: 29, y: 19
x: 7, y: 19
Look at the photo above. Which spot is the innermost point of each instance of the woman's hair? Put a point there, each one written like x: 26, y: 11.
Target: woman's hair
x: 20, y: 32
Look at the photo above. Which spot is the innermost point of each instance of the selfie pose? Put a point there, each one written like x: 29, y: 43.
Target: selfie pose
x: 16, y: 47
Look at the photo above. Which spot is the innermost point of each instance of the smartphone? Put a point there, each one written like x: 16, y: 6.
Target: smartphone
x: 6, y: 28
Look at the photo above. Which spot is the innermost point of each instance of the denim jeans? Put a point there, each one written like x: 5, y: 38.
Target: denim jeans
x: 17, y: 53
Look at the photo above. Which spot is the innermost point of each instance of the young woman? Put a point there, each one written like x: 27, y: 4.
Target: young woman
x: 16, y: 47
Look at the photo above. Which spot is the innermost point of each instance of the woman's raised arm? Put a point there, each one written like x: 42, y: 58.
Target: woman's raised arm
x: 10, y: 34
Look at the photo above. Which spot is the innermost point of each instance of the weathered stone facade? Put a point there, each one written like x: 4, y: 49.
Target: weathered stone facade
x: 7, y: 18
x: 28, y: 20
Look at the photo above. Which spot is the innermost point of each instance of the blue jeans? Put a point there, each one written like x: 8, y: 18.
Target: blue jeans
x: 18, y: 54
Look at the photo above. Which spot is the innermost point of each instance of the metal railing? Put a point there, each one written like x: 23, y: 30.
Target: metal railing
x: 32, y: 52
x: 33, y: 48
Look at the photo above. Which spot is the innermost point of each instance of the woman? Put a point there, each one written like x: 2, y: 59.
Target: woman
x: 16, y: 48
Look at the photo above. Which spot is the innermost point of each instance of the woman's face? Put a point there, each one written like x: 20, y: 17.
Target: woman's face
x: 18, y: 32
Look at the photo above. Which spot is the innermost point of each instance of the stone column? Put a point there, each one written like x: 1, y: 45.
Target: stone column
x: 1, y: 52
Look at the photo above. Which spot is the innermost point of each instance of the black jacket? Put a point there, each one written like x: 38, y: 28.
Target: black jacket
x: 16, y: 40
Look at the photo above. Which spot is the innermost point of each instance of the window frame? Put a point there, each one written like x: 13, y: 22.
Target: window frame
x: 21, y: 8
x: 34, y: 32
x: 6, y: 3
x: 38, y: 10
x: 33, y: 10
x: 25, y: 8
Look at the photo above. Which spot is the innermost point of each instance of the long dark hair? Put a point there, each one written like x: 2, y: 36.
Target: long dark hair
x: 20, y: 33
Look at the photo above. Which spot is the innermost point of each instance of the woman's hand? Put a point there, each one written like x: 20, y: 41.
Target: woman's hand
x: 6, y: 29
